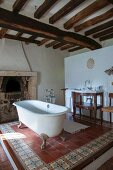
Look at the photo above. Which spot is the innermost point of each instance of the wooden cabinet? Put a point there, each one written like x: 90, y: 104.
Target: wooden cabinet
x: 91, y: 105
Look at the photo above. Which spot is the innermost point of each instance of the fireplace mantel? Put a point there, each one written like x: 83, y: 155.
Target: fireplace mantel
x: 18, y: 73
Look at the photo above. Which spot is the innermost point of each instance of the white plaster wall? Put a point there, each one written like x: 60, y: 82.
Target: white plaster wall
x: 76, y: 71
x: 48, y: 63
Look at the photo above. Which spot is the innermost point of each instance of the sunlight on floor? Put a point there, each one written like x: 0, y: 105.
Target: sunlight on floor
x: 12, y: 136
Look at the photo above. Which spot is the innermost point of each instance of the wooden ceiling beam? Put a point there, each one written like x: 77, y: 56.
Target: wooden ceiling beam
x: 1, y: 1
x: 104, y: 32
x: 65, y: 10
x: 67, y: 46
x: 59, y: 45
x: 106, y: 37
x: 21, y: 39
x: 17, y: 6
x: 3, y: 31
x: 25, y: 24
x: 43, y: 41
x: 44, y: 8
x: 99, y: 28
x: 51, y: 44
x: 19, y: 34
x: 95, y: 6
x: 94, y: 20
x: 75, y: 49
x: 111, y: 1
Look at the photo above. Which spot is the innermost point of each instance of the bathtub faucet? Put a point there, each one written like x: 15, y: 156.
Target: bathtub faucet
x: 48, y: 106
x: 50, y: 97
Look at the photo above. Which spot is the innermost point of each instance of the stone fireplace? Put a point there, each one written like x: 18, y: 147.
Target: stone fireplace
x: 15, y: 86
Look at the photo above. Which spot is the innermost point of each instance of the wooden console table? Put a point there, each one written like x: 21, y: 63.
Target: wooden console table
x: 92, y: 105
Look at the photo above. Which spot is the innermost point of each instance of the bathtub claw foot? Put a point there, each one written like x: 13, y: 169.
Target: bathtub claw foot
x: 44, y: 138
x: 20, y: 125
x: 62, y: 136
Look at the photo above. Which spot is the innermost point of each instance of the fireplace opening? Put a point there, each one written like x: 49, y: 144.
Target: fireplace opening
x: 12, y: 86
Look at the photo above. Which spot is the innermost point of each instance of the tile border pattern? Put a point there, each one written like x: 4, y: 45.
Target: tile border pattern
x: 31, y: 161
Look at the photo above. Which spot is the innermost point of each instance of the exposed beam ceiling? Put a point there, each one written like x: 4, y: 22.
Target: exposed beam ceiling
x: 25, y: 24
x: 102, y: 33
x: 75, y: 49
x: 67, y: 46
x: 3, y: 31
x: 99, y: 28
x: 21, y: 39
x: 65, y: 10
x: 17, y: 6
x: 44, y: 8
x: 94, y: 20
x: 106, y: 37
x: 95, y: 6
x: 51, y: 44
x: 43, y: 41
x: 58, y: 45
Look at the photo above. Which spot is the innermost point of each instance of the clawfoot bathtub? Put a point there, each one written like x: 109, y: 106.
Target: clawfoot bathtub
x: 45, y: 119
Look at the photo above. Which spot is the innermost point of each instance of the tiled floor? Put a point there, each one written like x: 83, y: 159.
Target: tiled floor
x: 55, y: 147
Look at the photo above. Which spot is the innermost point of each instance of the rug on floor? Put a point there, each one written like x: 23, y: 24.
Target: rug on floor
x: 72, y: 127
x: 32, y: 157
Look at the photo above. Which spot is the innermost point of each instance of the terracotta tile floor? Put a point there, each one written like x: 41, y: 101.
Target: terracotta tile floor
x: 55, y: 147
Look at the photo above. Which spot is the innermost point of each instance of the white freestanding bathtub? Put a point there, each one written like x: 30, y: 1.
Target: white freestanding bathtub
x: 45, y: 119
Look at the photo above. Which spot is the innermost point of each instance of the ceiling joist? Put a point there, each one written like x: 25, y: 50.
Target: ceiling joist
x: 65, y: 47
x: 44, y: 8
x: 75, y: 49
x: 51, y: 44
x: 17, y: 6
x: 94, y: 20
x: 3, y: 31
x: 21, y: 39
x: 65, y: 10
x: 43, y: 41
x: 99, y: 28
x: 58, y: 45
x: 25, y: 24
x: 106, y: 37
x: 92, y: 8
x: 104, y: 32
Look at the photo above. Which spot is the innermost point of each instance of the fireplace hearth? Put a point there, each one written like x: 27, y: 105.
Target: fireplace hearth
x: 15, y: 86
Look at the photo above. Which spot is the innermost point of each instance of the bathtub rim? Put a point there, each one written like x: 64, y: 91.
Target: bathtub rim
x: 16, y: 104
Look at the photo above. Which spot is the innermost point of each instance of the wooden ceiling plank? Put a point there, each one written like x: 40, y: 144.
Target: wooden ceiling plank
x: 75, y: 49
x: 25, y: 24
x: 106, y: 37
x: 99, y: 28
x: 3, y: 31
x: 94, y: 20
x: 104, y: 32
x: 43, y: 41
x: 21, y: 39
x: 51, y: 44
x: 65, y: 10
x: 65, y: 47
x: 92, y: 8
x: 17, y: 6
x: 44, y: 8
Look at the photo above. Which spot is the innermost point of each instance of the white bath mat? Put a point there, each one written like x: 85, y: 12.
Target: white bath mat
x: 72, y: 127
